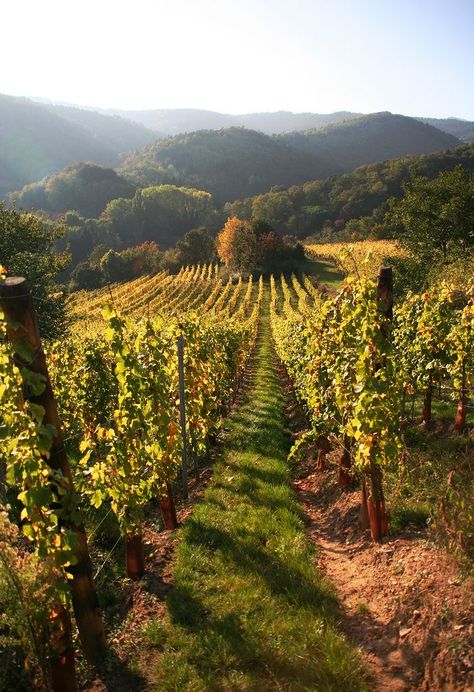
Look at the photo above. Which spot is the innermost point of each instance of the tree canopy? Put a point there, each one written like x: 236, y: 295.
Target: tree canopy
x: 85, y: 188
x: 197, y: 247
x: 330, y: 205
x: 161, y: 213
x: 27, y: 248
x: 236, y: 245
x: 435, y: 217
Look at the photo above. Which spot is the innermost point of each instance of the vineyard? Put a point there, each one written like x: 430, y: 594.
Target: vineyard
x: 362, y: 258
x: 105, y: 434
x: 361, y: 368
x: 126, y: 416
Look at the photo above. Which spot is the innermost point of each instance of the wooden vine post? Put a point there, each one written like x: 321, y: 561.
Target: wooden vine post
x: 344, y: 478
x: 168, y: 509
x: 373, y: 494
x: 323, y: 446
x: 427, y: 401
x: 182, y: 416
x: 134, y: 556
x: 460, y: 418
x: 22, y: 328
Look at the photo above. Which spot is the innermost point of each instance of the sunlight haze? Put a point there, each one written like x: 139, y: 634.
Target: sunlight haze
x: 407, y: 57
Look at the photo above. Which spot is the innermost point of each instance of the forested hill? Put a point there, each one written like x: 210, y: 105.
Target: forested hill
x: 84, y: 187
x: 229, y: 163
x: 237, y: 162
x: 173, y: 121
x: 463, y: 129
x: 36, y: 140
x: 360, y: 195
x: 370, y: 138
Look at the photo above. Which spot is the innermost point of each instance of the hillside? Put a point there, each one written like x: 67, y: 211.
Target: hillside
x: 462, y: 129
x: 83, y: 187
x: 370, y: 138
x: 229, y: 163
x: 236, y: 162
x: 119, y: 134
x: 165, y: 122
x: 173, y: 121
x: 37, y: 140
x: 363, y: 193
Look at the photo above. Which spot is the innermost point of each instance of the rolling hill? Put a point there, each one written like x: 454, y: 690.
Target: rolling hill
x: 360, y: 194
x: 37, y: 140
x: 85, y: 188
x: 463, y: 129
x: 173, y: 121
x: 236, y: 162
x: 370, y: 138
x: 229, y: 163
x: 182, y: 120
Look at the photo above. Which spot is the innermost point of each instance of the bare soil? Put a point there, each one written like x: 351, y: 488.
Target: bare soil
x: 404, y: 602
x: 130, y: 663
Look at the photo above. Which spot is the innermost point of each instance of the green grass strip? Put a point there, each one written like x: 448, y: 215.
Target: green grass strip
x: 249, y: 611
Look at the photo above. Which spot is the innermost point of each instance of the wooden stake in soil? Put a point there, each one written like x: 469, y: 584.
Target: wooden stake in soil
x: 17, y: 305
x: 364, y: 510
x: 323, y: 446
x: 345, y: 464
x: 168, y: 509
x: 460, y: 419
x: 135, y: 556
x: 182, y: 416
x: 427, y: 401
x: 61, y: 662
x: 373, y: 491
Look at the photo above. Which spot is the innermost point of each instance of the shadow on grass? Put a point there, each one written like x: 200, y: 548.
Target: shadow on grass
x: 248, y: 609
x: 324, y: 272
x: 247, y: 554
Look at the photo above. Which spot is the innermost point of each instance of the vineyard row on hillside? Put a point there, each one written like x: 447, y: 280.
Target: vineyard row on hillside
x: 125, y: 398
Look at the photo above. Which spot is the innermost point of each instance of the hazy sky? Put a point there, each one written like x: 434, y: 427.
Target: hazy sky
x: 237, y: 56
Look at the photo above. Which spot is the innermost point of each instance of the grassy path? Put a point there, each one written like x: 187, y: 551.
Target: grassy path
x: 249, y: 611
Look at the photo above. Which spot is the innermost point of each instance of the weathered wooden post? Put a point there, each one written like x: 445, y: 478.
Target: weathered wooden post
x: 345, y: 464
x: 22, y: 328
x: 168, y: 509
x: 323, y: 446
x: 376, y: 511
x: 135, y: 556
x: 461, y: 412
x: 182, y: 417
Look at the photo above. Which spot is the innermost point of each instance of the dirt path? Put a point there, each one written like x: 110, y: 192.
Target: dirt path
x: 403, y: 603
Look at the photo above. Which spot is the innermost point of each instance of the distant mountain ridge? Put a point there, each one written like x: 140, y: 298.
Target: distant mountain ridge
x: 370, y: 138
x: 230, y: 163
x: 37, y: 140
x: 182, y: 120
x: 463, y: 129
x: 169, y: 121
x: 236, y: 162
x: 218, y: 155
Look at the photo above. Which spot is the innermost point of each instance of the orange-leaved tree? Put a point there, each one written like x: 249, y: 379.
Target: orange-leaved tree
x: 236, y: 245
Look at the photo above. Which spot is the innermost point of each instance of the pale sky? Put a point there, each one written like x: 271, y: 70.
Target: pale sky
x: 239, y: 56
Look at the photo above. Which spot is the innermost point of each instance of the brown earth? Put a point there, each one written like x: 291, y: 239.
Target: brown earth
x: 404, y: 603
x: 129, y: 665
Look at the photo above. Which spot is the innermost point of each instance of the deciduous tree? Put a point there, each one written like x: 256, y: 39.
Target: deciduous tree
x: 236, y: 245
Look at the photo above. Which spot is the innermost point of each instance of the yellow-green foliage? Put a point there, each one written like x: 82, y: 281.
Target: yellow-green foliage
x: 364, y: 257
